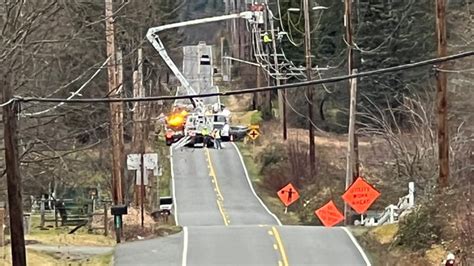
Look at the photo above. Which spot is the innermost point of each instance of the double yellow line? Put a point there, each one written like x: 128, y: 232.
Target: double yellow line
x: 279, y: 246
x: 220, y: 198
x: 220, y: 204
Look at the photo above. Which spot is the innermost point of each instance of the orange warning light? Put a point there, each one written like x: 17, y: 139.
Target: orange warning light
x: 177, y: 119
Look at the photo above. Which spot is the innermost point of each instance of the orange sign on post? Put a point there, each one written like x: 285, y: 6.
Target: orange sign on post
x: 360, y: 195
x: 288, y: 195
x: 329, y: 214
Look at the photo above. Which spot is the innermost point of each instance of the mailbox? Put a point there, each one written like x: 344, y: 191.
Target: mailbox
x: 118, y: 210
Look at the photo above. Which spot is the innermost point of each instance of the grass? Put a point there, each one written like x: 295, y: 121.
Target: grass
x: 32, y: 257
x: 105, y: 259
x: 270, y: 200
x: 60, y: 236
x: 165, y: 179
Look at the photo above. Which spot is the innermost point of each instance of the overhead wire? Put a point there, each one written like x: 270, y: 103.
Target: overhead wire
x: 253, y: 90
x: 282, y: 27
x: 7, y: 102
x: 72, y: 94
x: 408, y: 8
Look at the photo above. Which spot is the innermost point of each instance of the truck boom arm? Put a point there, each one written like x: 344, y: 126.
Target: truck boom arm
x: 152, y: 36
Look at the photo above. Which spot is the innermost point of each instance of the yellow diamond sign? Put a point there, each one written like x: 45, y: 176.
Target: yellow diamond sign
x: 253, y: 134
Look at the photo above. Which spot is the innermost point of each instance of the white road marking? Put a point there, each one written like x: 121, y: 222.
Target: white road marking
x: 175, y: 199
x: 185, y: 247
x: 251, y: 187
x: 356, y: 244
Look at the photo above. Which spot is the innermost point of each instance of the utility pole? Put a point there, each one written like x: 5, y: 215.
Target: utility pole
x: 141, y: 121
x: 307, y: 41
x: 350, y: 144
x: 350, y: 66
x: 15, y: 202
x: 139, y: 136
x: 281, y: 103
x: 115, y: 108
x: 441, y: 96
x: 142, y: 182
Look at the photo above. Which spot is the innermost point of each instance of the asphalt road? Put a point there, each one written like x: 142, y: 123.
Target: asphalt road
x: 199, y: 75
x: 226, y: 224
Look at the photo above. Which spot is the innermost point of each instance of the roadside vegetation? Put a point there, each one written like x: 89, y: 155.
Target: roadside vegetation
x: 397, y: 144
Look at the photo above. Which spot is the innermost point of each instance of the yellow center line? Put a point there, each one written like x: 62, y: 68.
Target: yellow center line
x: 221, y: 210
x: 212, y: 173
x: 220, y: 198
x: 280, y: 246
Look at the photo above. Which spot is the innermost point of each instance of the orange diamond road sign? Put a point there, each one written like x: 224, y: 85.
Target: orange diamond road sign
x: 329, y: 214
x: 288, y: 194
x: 360, y: 195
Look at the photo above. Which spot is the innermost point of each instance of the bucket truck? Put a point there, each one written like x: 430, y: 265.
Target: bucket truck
x: 189, y: 122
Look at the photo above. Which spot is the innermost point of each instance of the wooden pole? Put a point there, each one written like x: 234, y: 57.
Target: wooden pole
x: 142, y: 186
x: 350, y: 66
x: 285, y: 115
x: 309, y: 91
x: 119, y: 128
x: 2, y: 223
x: 106, y: 220
x: 115, y: 108
x: 350, y: 144
x: 281, y: 103
x: 260, y: 98
x: 441, y: 96
x: 15, y: 203
x: 141, y: 132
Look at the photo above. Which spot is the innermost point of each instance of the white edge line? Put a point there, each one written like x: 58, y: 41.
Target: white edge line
x: 354, y: 241
x: 184, y: 260
x: 251, y: 187
x: 175, y: 205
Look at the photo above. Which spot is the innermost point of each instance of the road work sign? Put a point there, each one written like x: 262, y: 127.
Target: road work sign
x: 360, y: 195
x: 288, y: 194
x: 329, y: 215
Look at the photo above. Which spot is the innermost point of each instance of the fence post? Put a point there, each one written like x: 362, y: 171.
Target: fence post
x: 106, y: 229
x: 55, y: 216
x: 42, y: 210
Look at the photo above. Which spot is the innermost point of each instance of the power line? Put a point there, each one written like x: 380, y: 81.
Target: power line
x: 72, y: 94
x: 253, y: 90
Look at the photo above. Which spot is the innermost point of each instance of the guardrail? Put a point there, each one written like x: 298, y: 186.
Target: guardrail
x: 392, y: 212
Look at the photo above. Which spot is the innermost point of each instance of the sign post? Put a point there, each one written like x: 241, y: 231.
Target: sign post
x: 141, y: 163
x: 117, y: 211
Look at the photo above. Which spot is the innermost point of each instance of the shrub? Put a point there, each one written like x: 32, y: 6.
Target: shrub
x: 419, y: 230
